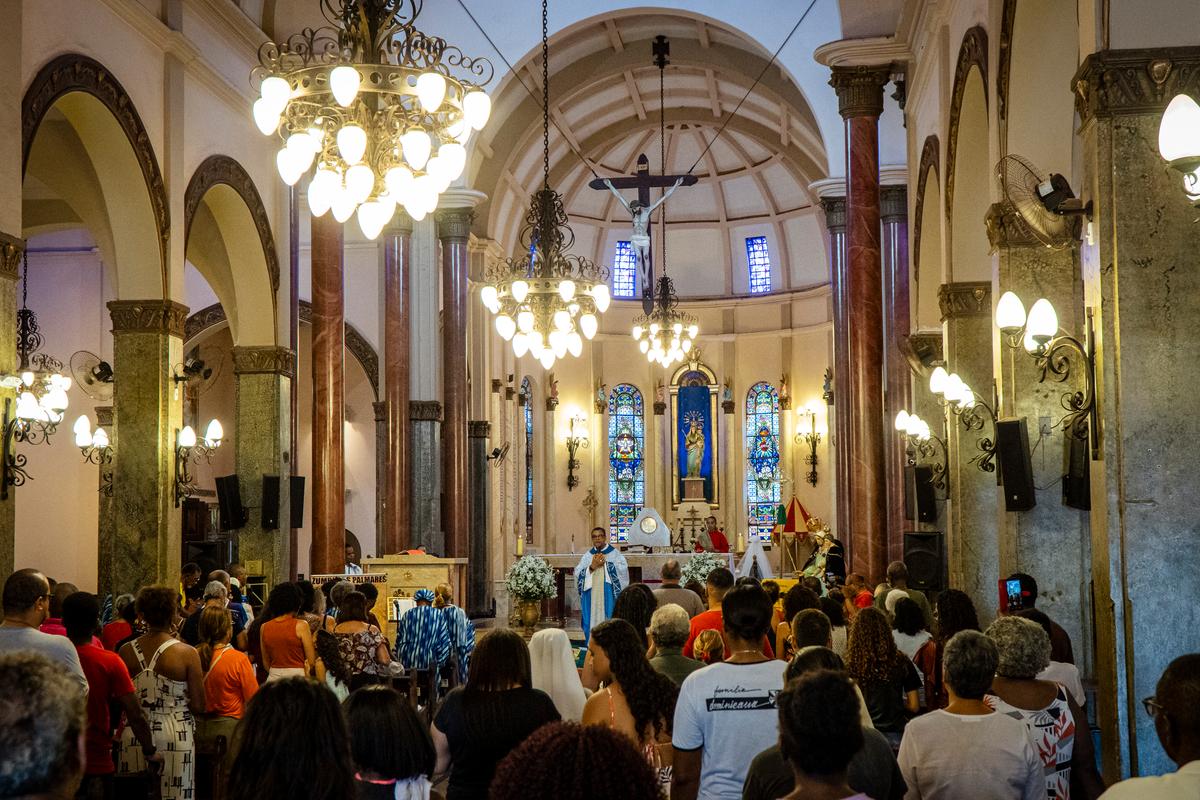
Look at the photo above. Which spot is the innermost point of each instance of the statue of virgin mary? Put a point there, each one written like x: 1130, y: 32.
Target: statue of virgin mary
x: 694, y: 442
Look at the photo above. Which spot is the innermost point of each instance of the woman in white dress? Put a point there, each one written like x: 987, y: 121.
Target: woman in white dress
x: 169, y: 682
x: 553, y: 668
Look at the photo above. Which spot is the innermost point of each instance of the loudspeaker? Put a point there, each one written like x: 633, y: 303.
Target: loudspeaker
x: 297, y: 497
x: 1016, y: 470
x: 1077, y: 473
x: 270, y: 502
x: 923, y: 555
x: 229, y: 500
x: 920, y: 501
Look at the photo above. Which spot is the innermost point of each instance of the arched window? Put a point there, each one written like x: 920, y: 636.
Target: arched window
x: 626, y: 448
x: 527, y: 413
x: 762, y: 458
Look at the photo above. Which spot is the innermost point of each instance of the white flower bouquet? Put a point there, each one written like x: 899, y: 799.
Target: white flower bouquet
x: 531, y: 578
x: 698, y: 567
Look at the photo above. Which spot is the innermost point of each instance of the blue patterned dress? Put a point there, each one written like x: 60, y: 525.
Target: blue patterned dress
x: 423, y: 638
x: 462, y: 638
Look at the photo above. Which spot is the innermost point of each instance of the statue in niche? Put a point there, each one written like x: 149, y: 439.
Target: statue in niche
x: 694, y: 443
x: 727, y: 392
x: 601, y: 398
x: 660, y: 393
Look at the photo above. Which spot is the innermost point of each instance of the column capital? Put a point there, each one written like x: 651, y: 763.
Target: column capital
x: 263, y: 360
x: 12, y: 249
x: 893, y: 203
x: 104, y: 417
x: 965, y: 299
x: 425, y: 410
x: 1005, y: 228
x: 380, y: 408
x: 479, y: 429
x: 835, y: 213
x: 400, y: 224
x: 860, y: 89
x: 148, y: 316
x: 455, y: 224
x: 1136, y: 81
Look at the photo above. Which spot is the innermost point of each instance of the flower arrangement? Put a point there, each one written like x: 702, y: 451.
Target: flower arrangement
x: 531, y: 578
x: 699, y: 565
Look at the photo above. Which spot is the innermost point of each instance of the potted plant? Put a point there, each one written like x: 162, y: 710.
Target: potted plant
x: 530, y: 581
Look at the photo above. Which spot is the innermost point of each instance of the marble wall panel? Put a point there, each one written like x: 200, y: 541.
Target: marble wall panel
x: 262, y: 409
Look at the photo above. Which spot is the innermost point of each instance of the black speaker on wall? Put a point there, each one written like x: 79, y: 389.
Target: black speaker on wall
x: 1077, y: 473
x: 229, y: 501
x: 270, y: 502
x: 924, y: 557
x: 297, y: 499
x: 1016, y: 469
x: 920, y: 501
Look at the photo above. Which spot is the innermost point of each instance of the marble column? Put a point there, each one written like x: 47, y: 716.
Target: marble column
x: 380, y: 407
x: 147, y: 344
x: 897, y: 325
x: 454, y: 229
x: 104, y: 512
x: 835, y: 224
x: 396, y: 246
x: 426, y: 419
x: 329, y: 399
x: 479, y: 587
x: 12, y: 250
x: 971, y: 535
x: 860, y: 102
x: 262, y: 423
x: 1141, y: 282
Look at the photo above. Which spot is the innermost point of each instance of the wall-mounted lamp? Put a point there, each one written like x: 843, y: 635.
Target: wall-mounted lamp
x: 96, y: 450
x: 186, y: 446
x: 34, y: 421
x: 920, y: 443
x: 1038, y: 334
x: 811, y: 438
x: 971, y: 410
x: 576, y: 438
x: 1179, y: 142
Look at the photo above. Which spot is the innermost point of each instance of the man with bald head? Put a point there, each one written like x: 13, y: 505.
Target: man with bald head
x: 672, y: 592
x: 26, y: 607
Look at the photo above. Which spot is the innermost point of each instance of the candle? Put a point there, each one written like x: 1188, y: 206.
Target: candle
x: 520, y: 545
x: 741, y: 542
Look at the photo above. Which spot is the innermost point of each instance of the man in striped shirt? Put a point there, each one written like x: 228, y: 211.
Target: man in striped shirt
x: 422, y: 637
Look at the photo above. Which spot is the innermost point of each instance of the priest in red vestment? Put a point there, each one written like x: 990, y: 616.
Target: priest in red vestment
x: 712, y: 539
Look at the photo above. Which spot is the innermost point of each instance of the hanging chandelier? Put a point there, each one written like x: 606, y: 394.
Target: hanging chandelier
x: 370, y: 100
x: 545, y: 299
x: 39, y: 379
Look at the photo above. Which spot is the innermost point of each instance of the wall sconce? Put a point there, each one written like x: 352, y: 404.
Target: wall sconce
x: 1179, y: 142
x: 957, y: 397
x: 1038, y: 334
x: 185, y: 447
x: 35, y: 420
x: 578, y: 437
x: 96, y: 450
x: 920, y: 444
x: 811, y: 438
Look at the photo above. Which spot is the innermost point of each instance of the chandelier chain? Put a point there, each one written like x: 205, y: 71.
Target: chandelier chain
x: 662, y: 144
x: 545, y: 95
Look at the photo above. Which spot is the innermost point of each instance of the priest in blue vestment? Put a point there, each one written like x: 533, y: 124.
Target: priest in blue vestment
x: 600, y: 576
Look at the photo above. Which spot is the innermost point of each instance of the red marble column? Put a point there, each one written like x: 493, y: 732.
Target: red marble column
x: 454, y: 228
x: 860, y: 101
x: 897, y: 327
x: 397, y: 360
x: 329, y: 402
x: 835, y: 224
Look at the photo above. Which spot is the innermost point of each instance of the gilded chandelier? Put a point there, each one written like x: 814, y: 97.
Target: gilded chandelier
x: 371, y: 101
x: 666, y: 334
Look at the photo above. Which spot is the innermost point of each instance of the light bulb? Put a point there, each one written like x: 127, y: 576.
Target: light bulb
x: 477, y: 107
x: 27, y: 378
x: 1179, y: 131
x: 83, y: 438
x: 100, y: 439
x: 677, y: 329
x: 416, y: 146
x: 360, y: 182
x: 1029, y: 343
x: 352, y: 143
x: 902, y: 420
x: 321, y: 191
x: 575, y: 343
x: 937, y: 380
x: 1010, y: 313
x: 637, y: 331
x: 214, y: 433
x: 460, y: 131
x: 343, y: 204
x: 1043, y: 321
x: 687, y: 345
x: 54, y: 400
x: 520, y: 344
x: 489, y: 297
x: 289, y: 166
x: 651, y: 357
x: 431, y: 91
x: 374, y: 214
x: 562, y: 320
x: 601, y: 296
x: 566, y: 290
x: 83, y: 425
x: 525, y: 320
x: 536, y: 342
x: 547, y: 358
x: 276, y: 91
x: 693, y: 330
x: 187, y: 437
x: 505, y: 327
x: 415, y: 209
x: 399, y: 182
x: 265, y: 117
x: 558, y: 343
x: 344, y: 82
x: 644, y: 345
x: 588, y: 325
x: 654, y: 329
x: 520, y: 290
x: 27, y: 406
x: 454, y: 159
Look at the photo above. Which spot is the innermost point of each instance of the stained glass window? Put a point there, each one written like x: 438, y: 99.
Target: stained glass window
x: 626, y: 450
x: 527, y: 410
x: 762, y: 458
x: 624, y: 271
x: 758, y: 260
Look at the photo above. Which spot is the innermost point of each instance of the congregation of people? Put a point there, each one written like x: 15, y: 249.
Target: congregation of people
x: 733, y: 689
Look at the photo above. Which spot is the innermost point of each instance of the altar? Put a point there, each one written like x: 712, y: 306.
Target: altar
x: 405, y: 574
x: 643, y: 568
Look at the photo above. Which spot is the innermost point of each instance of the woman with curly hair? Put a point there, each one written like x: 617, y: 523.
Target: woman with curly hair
x: 583, y: 763
x: 888, y: 680
x: 953, y: 611
x: 636, y: 604
x: 636, y: 700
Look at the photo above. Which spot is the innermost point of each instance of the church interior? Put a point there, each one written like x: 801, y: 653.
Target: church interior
x: 416, y: 290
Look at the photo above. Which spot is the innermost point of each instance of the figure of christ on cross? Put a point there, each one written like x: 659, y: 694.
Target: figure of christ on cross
x: 640, y: 210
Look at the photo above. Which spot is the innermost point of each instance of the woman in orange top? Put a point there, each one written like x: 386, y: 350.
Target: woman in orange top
x: 286, y: 640
x: 229, y: 680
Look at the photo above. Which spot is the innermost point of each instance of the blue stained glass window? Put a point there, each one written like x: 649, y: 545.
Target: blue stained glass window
x: 626, y: 460
x: 624, y: 271
x: 762, y: 461
x: 527, y: 410
x: 758, y: 259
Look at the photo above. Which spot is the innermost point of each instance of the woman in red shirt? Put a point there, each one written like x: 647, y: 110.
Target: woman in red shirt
x: 286, y: 640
